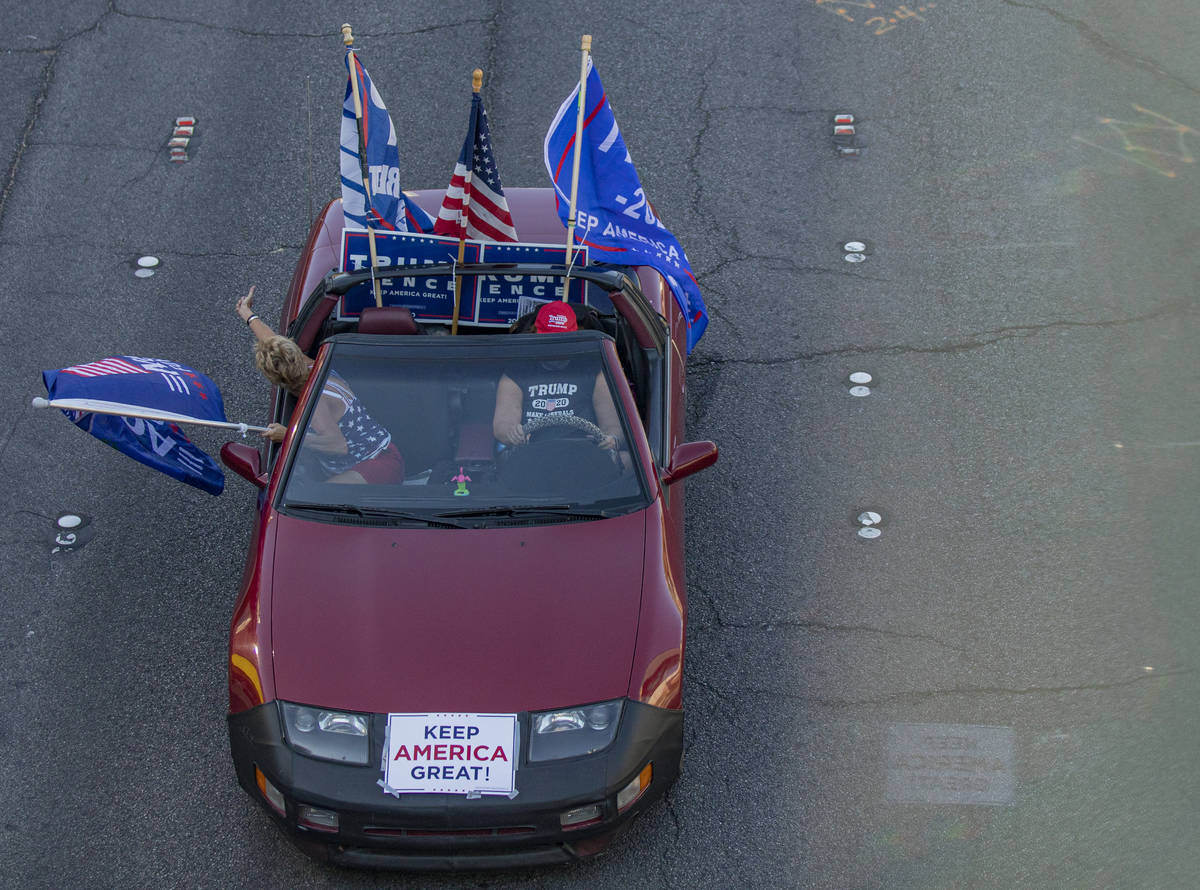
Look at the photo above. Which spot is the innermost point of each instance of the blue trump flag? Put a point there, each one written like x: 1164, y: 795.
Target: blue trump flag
x: 148, y: 383
x: 389, y: 208
x: 613, y: 215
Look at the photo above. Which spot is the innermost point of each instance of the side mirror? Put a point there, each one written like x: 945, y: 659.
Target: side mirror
x: 244, y: 460
x: 688, y: 458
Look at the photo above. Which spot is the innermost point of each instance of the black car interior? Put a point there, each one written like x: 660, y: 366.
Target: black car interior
x: 458, y: 416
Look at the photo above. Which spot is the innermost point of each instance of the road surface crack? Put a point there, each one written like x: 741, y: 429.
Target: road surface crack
x: 1087, y: 32
x: 27, y: 130
x: 822, y: 626
x: 975, y: 341
x: 921, y: 695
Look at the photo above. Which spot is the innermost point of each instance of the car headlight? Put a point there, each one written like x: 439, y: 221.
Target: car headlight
x: 571, y: 732
x: 329, y: 735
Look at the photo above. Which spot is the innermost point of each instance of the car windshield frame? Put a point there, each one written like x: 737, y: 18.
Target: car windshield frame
x: 448, y: 361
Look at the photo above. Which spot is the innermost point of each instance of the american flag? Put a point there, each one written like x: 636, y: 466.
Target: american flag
x: 476, y: 184
x: 173, y: 374
x: 114, y: 365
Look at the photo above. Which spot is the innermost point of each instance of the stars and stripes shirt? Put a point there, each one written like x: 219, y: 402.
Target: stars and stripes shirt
x: 365, y: 438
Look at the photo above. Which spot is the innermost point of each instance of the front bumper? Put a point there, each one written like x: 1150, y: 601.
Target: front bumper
x: 450, y: 831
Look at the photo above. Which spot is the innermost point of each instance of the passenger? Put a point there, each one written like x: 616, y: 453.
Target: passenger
x: 585, y: 319
x: 346, y: 442
x: 543, y: 389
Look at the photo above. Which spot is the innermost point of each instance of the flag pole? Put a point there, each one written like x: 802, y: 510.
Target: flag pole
x: 476, y: 86
x: 586, y: 47
x: 348, y: 42
x: 120, y: 409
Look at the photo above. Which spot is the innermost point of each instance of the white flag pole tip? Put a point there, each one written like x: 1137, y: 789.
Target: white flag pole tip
x: 98, y: 406
x: 39, y: 402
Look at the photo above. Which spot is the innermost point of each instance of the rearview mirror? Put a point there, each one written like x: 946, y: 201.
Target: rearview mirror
x: 689, y: 458
x: 244, y: 460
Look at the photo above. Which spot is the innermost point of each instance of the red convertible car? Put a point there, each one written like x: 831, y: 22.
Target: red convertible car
x: 471, y: 657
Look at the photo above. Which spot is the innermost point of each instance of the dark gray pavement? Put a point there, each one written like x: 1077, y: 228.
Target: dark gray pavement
x: 998, y: 691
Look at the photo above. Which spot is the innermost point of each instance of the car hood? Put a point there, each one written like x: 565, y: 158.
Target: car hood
x: 471, y: 620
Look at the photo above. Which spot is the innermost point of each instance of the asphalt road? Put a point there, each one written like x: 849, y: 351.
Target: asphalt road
x: 997, y: 691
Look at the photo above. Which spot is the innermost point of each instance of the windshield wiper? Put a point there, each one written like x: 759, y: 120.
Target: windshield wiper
x: 522, y: 510
x: 373, y: 513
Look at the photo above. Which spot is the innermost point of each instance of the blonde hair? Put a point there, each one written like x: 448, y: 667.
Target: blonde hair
x: 282, y: 362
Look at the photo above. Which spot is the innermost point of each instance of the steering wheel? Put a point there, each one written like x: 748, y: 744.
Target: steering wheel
x: 566, y: 422
x: 547, y: 464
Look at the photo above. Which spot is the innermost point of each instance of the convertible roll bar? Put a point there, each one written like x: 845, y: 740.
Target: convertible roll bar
x: 340, y: 282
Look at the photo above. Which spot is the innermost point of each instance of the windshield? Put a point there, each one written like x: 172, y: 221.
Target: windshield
x: 414, y: 429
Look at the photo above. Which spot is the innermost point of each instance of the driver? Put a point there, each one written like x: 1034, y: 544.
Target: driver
x: 560, y: 388
x: 347, y: 443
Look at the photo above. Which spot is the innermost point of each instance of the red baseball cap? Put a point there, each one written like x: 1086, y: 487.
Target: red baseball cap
x: 556, y: 317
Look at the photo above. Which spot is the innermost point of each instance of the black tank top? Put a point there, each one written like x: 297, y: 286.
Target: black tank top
x: 547, y: 390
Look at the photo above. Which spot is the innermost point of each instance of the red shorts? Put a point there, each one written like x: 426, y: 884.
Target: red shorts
x: 385, y: 468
